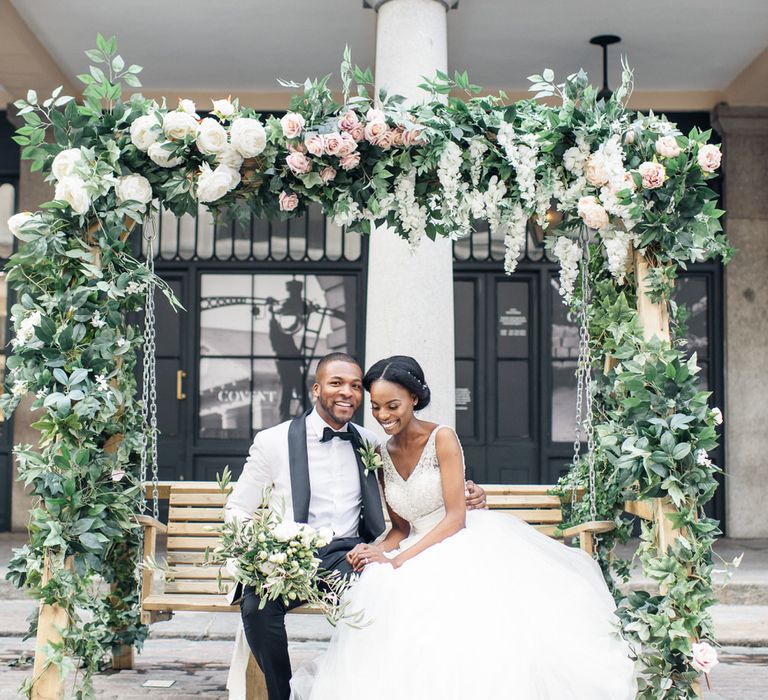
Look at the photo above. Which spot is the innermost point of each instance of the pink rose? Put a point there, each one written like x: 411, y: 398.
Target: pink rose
x: 293, y: 125
x: 709, y: 158
x: 704, y: 657
x: 357, y: 132
x: 596, y: 170
x: 667, y: 147
x: 288, y: 202
x: 298, y: 163
x: 299, y: 147
x: 333, y: 143
x: 117, y: 474
x: 348, y: 144
x: 629, y: 137
x: 653, y: 175
x: 315, y: 144
x: 592, y: 213
x: 349, y: 120
x: 397, y: 136
x: 327, y: 174
x: 350, y: 161
x: 385, y: 140
x: 412, y: 137
x: 373, y: 130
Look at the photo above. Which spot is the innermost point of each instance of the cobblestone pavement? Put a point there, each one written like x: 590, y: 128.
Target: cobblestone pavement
x: 199, y: 671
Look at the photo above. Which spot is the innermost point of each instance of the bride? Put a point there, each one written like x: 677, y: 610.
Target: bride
x: 548, y: 631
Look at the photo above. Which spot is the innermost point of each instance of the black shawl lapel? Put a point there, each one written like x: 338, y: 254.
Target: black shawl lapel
x: 371, y: 515
x: 299, y: 466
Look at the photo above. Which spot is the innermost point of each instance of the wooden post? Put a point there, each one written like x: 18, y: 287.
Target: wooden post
x: 255, y: 683
x: 654, y: 318
x: 51, y: 621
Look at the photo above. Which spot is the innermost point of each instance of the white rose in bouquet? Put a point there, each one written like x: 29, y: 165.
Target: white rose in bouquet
x: 71, y: 189
x: 145, y: 131
x: 285, y: 530
x: 133, y: 187
x: 188, y: 107
x: 161, y: 156
x: 248, y: 137
x: 211, y: 136
x: 326, y: 535
x: 64, y: 163
x: 179, y: 125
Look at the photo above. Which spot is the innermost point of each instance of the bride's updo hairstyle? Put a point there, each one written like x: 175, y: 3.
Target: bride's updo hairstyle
x: 402, y: 370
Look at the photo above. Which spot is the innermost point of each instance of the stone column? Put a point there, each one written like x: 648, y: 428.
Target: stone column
x: 410, y: 296
x: 744, y: 131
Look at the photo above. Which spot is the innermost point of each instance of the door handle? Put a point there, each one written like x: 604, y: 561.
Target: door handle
x: 180, y: 375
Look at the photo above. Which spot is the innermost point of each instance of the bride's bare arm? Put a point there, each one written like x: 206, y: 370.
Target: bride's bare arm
x: 452, y: 475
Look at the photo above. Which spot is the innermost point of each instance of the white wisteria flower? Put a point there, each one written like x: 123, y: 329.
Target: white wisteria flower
x: 26, y: 330
x: 412, y: 215
x: 145, y: 131
x: 102, y: 383
x: 179, y: 125
x: 72, y: 190
x: 569, y: 253
x: 65, y: 162
x: 618, y: 249
x: 160, y: 155
x: 248, y: 137
x: 97, y: 321
x: 134, y: 188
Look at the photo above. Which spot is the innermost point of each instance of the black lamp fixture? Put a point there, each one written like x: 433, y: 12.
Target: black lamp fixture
x: 605, y: 40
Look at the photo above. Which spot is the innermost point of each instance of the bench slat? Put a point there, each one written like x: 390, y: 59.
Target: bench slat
x: 199, y: 544
x: 204, y: 603
x: 190, y: 513
x: 200, y: 529
x: 197, y: 587
x: 198, y: 572
x: 182, y: 557
x: 506, y: 501
x: 181, y: 498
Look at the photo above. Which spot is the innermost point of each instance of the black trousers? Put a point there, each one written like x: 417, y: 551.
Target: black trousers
x: 265, y: 628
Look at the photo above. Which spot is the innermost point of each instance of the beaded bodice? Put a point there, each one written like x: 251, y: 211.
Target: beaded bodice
x: 421, y: 494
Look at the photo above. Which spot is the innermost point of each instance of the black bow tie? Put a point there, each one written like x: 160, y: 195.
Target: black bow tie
x: 329, y: 434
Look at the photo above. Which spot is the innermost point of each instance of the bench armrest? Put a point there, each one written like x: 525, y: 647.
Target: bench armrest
x: 147, y: 521
x: 594, y: 527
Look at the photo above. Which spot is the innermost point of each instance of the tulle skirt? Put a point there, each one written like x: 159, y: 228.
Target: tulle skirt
x: 496, y: 611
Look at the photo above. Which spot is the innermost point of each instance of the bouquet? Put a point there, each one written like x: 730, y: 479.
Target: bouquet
x: 279, y: 558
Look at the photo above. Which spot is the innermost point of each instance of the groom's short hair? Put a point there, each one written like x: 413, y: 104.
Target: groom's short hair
x: 336, y: 357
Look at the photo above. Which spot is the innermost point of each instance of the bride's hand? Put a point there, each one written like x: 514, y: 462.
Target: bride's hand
x: 364, y: 554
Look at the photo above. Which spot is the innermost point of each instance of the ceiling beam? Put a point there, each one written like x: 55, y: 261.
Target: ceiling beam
x: 750, y: 87
x: 25, y: 63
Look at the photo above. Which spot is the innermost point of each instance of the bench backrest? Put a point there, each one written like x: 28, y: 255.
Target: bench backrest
x: 196, y: 509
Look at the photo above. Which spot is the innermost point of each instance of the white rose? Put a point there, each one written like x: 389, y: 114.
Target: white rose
x: 709, y: 158
x: 145, y: 131
x: 717, y: 416
x: 298, y: 163
x: 230, y: 157
x: 293, y: 125
x: 133, y: 187
x: 704, y: 657
x: 285, y: 530
x: 325, y: 533
x: 64, y: 163
x: 16, y: 222
x: 667, y: 147
x: 597, y: 170
x: 72, y: 190
x: 162, y: 157
x: 248, y: 137
x: 224, y: 108
x: 375, y: 115
x: 288, y: 202
x: 211, y: 136
x: 333, y: 143
x: 214, y: 184
x: 188, y: 107
x: 179, y: 125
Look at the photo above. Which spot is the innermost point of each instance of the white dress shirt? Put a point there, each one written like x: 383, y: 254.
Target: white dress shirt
x: 334, y: 481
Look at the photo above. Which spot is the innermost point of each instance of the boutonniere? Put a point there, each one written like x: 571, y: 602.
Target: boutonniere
x: 371, y: 458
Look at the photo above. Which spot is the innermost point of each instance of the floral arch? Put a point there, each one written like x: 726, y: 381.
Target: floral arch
x: 631, y: 189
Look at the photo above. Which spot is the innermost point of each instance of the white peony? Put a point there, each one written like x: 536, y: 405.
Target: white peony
x: 230, y: 157
x: 179, y: 125
x: 145, y: 131
x: 223, y: 108
x: 214, y: 184
x: 162, y: 157
x: 211, y: 136
x: 133, y: 187
x: 709, y: 158
x: 64, y: 163
x: 248, y: 137
x: 17, y: 221
x: 285, y: 530
x: 71, y: 189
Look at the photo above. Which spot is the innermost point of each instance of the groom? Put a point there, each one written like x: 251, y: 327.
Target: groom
x: 316, y: 473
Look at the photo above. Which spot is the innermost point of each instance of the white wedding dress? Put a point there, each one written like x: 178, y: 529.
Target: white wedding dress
x: 496, y: 611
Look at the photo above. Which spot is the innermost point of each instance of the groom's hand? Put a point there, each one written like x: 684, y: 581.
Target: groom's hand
x: 475, y: 496
x: 364, y: 554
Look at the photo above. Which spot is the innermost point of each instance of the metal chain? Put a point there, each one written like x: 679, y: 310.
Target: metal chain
x: 584, y: 421
x: 149, y: 378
